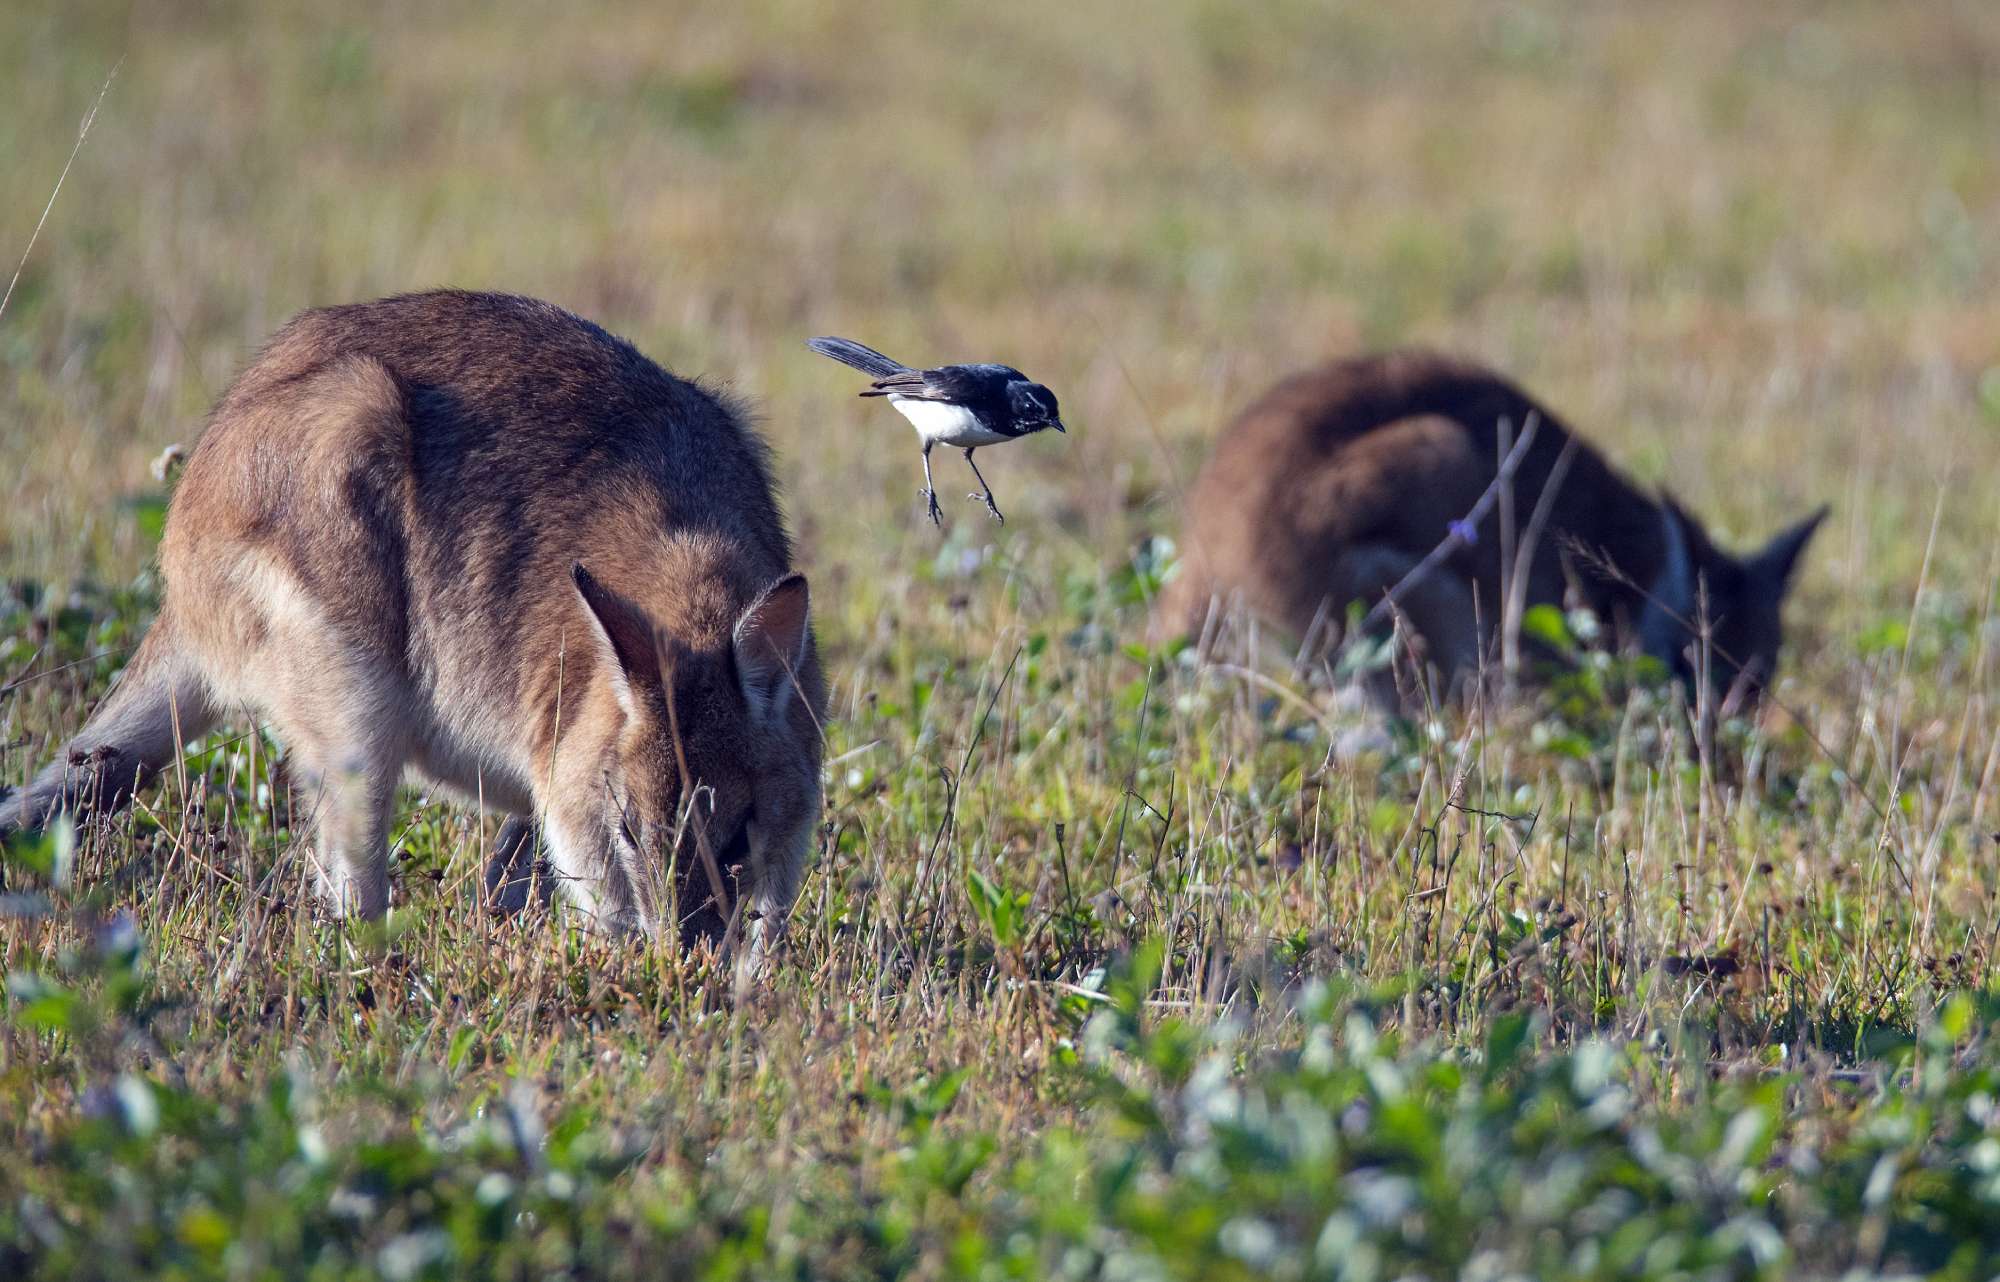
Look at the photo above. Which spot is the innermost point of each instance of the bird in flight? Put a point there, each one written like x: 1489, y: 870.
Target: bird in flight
x: 967, y: 406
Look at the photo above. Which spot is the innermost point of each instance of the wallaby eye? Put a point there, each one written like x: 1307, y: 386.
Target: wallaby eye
x: 737, y: 852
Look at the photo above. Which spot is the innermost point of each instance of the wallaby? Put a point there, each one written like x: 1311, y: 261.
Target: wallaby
x: 476, y: 537
x: 1338, y: 482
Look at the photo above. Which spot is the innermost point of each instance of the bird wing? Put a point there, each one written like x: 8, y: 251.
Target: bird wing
x: 958, y: 384
x: 913, y: 383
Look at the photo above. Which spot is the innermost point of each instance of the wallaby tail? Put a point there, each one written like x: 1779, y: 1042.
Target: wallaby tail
x: 849, y: 352
x: 159, y: 703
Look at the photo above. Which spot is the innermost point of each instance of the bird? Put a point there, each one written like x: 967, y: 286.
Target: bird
x: 967, y: 406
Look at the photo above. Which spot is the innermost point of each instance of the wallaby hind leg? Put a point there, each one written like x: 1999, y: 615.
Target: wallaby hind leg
x: 158, y: 704
x: 353, y: 838
x: 347, y: 796
x: 339, y: 720
x: 289, y: 533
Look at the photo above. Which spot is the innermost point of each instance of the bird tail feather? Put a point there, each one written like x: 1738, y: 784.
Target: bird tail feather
x: 849, y: 352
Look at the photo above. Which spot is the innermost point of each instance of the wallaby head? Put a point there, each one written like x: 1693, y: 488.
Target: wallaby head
x: 1709, y: 611
x: 689, y: 756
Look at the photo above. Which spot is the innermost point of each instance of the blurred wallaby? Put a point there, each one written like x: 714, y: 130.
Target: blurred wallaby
x: 478, y: 538
x: 1338, y: 482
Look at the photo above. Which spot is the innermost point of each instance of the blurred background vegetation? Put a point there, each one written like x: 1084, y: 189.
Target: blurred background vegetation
x: 1753, y: 250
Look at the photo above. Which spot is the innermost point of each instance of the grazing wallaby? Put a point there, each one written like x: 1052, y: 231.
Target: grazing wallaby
x: 1338, y: 482
x: 479, y: 538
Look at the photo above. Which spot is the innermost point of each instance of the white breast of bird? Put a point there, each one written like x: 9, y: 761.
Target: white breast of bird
x: 943, y: 423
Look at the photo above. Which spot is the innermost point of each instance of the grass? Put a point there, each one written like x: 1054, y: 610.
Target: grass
x: 1103, y: 969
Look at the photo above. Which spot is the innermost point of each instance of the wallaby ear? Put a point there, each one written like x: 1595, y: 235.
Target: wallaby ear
x: 624, y: 635
x: 1671, y: 596
x: 1780, y: 557
x: 1675, y: 587
x: 770, y: 643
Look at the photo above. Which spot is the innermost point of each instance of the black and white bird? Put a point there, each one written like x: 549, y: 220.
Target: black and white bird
x: 966, y: 406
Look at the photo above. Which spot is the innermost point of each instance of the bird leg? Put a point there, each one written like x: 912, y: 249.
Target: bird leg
x: 930, y: 490
x: 985, y: 490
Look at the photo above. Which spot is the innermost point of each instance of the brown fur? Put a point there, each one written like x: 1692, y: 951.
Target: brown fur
x: 477, y: 537
x: 1337, y: 482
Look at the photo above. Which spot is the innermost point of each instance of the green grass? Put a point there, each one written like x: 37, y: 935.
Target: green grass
x: 1103, y: 968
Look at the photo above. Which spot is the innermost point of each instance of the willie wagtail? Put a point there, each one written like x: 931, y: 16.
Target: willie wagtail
x: 963, y: 405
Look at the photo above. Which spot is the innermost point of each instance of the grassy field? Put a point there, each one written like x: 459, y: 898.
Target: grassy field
x: 1104, y: 969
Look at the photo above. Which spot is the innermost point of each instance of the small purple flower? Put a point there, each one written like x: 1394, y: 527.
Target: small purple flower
x: 1464, y: 532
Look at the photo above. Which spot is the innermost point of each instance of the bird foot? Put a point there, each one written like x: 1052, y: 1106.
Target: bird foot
x: 992, y: 508
x: 931, y: 504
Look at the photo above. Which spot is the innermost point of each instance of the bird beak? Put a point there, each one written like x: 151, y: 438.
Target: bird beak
x: 1059, y: 427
